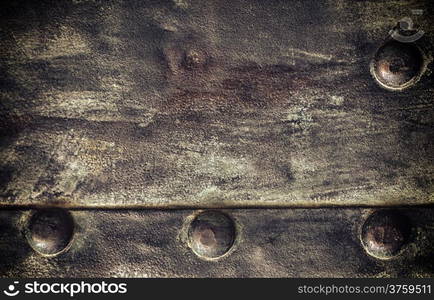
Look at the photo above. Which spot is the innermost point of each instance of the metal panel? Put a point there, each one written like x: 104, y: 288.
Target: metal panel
x: 323, y: 108
x: 210, y: 104
x: 268, y: 243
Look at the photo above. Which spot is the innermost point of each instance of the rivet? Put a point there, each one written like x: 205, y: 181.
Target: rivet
x: 397, y: 65
x: 195, y: 59
x: 50, y: 231
x: 385, y: 233
x: 211, y: 234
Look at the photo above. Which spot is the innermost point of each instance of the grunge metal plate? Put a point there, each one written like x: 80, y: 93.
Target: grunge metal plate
x: 267, y: 243
x: 213, y: 104
x: 220, y: 138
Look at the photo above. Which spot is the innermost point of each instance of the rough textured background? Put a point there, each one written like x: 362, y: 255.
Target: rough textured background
x: 202, y: 104
x: 209, y: 104
x: 270, y: 243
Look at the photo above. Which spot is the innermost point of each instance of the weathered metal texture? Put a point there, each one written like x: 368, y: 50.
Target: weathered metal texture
x: 268, y: 243
x: 211, y: 104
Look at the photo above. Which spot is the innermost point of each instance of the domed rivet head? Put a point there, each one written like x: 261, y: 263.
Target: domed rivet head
x: 384, y: 234
x: 195, y: 59
x: 211, y: 234
x: 50, y: 231
x: 397, y: 65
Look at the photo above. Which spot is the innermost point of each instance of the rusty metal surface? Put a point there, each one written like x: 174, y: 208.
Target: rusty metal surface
x: 211, y: 104
x: 115, y: 108
x: 268, y: 243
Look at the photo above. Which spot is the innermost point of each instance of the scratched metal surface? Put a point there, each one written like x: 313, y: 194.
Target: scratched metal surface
x: 210, y: 104
x: 169, y: 104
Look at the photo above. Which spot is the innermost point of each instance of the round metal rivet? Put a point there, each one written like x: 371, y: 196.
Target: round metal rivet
x: 211, y: 234
x: 397, y: 65
x: 384, y: 234
x: 195, y: 59
x: 50, y: 231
